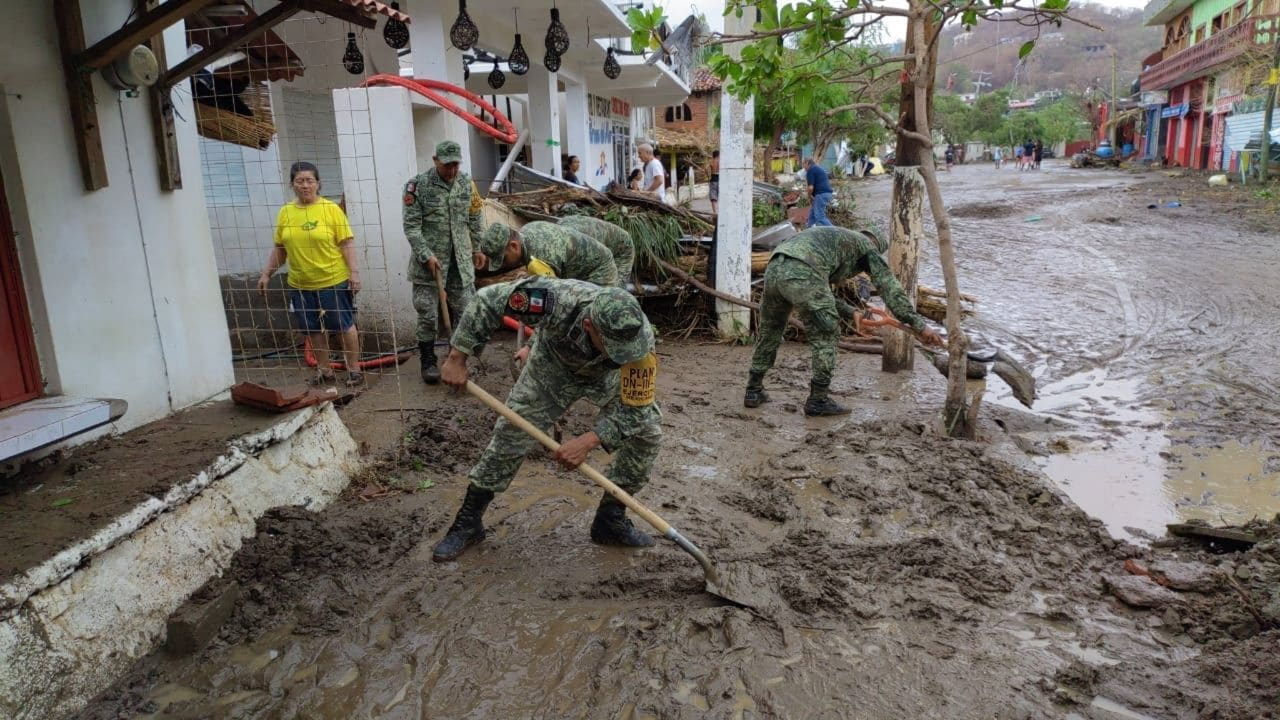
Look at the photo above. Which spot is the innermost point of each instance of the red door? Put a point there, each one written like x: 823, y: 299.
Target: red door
x: 19, y: 371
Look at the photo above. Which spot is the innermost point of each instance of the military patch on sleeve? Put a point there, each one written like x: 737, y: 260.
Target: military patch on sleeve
x: 640, y: 381
x: 531, y: 302
x: 410, y: 190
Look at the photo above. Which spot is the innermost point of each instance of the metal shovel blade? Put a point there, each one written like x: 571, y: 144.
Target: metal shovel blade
x: 742, y: 584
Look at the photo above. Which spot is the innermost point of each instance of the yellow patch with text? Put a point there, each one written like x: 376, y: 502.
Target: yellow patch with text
x: 537, y: 267
x: 640, y: 381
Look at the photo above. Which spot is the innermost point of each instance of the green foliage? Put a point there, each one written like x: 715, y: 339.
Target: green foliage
x: 764, y: 214
x: 953, y: 118
x: 424, y: 484
x: 644, y: 26
x: 656, y: 235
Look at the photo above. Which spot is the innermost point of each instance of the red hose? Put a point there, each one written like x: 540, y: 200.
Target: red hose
x: 380, y: 361
x: 427, y: 88
x: 515, y: 325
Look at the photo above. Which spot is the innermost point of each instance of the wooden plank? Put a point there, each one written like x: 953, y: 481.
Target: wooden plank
x: 83, y: 105
x: 341, y: 11
x: 233, y: 40
x: 1228, y: 536
x: 161, y: 106
x: 147, y: 25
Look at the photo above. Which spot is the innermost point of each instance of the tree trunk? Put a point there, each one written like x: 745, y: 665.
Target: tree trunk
x: 775, y: 141
x: 907, y: 229
x: 955, y: 415
x: 905, y: 235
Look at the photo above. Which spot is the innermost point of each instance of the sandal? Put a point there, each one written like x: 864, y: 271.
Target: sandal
x: 321, y: 378
x: 355, y: 379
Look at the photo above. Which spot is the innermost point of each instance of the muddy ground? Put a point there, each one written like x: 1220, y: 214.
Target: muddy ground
x: 914, y: 576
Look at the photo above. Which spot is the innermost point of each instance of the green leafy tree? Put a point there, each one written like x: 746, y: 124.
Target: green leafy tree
x: 953, y: 118
x: 818, y: 28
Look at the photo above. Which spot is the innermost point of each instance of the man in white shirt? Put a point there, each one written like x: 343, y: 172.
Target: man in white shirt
x: 654, y: 178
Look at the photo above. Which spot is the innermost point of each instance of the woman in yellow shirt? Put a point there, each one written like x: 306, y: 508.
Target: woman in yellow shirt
x: 314, y: 237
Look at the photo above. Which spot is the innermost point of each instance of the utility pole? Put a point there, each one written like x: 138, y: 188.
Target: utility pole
x: 733, y: 223
x: 1115, y: 102
x: 1265, y: 164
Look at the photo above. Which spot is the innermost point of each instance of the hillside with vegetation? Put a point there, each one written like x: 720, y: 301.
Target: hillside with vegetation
x: 1072, y: 58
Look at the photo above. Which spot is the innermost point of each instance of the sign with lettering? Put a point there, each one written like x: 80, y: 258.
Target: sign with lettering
x: 1175, y: 111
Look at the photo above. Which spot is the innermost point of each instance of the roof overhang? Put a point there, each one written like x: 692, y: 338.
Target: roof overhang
x: 641, y: 84
x: 1166, y: 10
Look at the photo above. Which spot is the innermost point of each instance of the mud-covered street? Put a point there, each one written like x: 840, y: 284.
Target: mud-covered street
x: 913, y: 576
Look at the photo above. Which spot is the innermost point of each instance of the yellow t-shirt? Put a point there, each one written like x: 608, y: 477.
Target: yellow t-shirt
x: 310, y: 235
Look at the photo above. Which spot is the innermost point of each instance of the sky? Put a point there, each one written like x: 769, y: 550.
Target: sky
x: 678, y: 10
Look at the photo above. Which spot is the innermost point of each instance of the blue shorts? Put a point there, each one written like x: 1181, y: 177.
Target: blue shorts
x: 330, y: 310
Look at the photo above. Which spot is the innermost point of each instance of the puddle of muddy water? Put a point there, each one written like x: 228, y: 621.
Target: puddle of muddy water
x: 1139, y: 474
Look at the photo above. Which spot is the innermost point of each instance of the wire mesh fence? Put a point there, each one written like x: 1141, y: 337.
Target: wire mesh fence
x: 290, y: 181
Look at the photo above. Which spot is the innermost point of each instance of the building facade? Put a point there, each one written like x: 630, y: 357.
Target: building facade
x: 1205, y: 70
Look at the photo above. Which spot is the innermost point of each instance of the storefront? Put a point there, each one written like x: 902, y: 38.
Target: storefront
x: 1187, y: 135
x: 610, y: 129
x: 1221, y: 110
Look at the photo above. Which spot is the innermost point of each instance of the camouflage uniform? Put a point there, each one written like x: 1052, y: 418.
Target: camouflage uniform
x: 549, y: 250
x: 563, y: 367
x: 611, y: 236
x: 441, y: 220
x: 800, y: 274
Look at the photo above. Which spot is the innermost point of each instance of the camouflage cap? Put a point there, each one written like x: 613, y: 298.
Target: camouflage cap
x: 877, y: 238
x: 448, y: 151
x: 494, y: 244
x: 622, y: 324
x: 570, y: 209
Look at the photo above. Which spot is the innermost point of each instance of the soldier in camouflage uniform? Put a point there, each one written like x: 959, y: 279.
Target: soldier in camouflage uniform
x: 442, y: 222
x: 593, y: 343
x: 611, y: 236
x: 800, y: 274
x: 549, y: 250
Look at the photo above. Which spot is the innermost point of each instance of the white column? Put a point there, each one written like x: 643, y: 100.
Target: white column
x: 436, y: 58
x: 733, y: 224
x: 544, y: 119
x: 378, y: 158
x: 577, y: 123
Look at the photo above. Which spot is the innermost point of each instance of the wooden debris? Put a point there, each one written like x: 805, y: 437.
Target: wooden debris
x: 1226, y: 538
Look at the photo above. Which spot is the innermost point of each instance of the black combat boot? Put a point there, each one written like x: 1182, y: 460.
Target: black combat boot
x: 613, y: 527
x: 467, y: 530
x: 427, y: 353
x: 755, y: 395
x: 820, y: 403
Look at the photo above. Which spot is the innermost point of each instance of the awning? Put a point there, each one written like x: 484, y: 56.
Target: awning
x: 266, y: 57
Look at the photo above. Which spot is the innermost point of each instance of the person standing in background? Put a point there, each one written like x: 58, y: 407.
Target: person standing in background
x: 442, y: 223
x: 820, y: 193
x: 314, y: 238
x: 655, y: 178
x: 997, y: 156
x: 571, y: 170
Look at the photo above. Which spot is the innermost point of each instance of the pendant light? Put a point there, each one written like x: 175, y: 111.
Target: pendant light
x: 518, y: 60
x: 611, y: 67
x: 551, y: 61
x: 557, y: 40
x: 353, y: 59
x: 464, y: 32
x: 496, y: 78
x: 395, y: 33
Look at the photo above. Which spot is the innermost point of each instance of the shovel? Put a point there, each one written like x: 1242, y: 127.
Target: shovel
x: 444, y: 301
x: 740, y: 583
x: 1004, y: 365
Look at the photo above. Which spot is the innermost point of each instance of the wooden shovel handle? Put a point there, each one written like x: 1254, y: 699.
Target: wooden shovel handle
x: 444, y: 301
x: 594, y: 475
